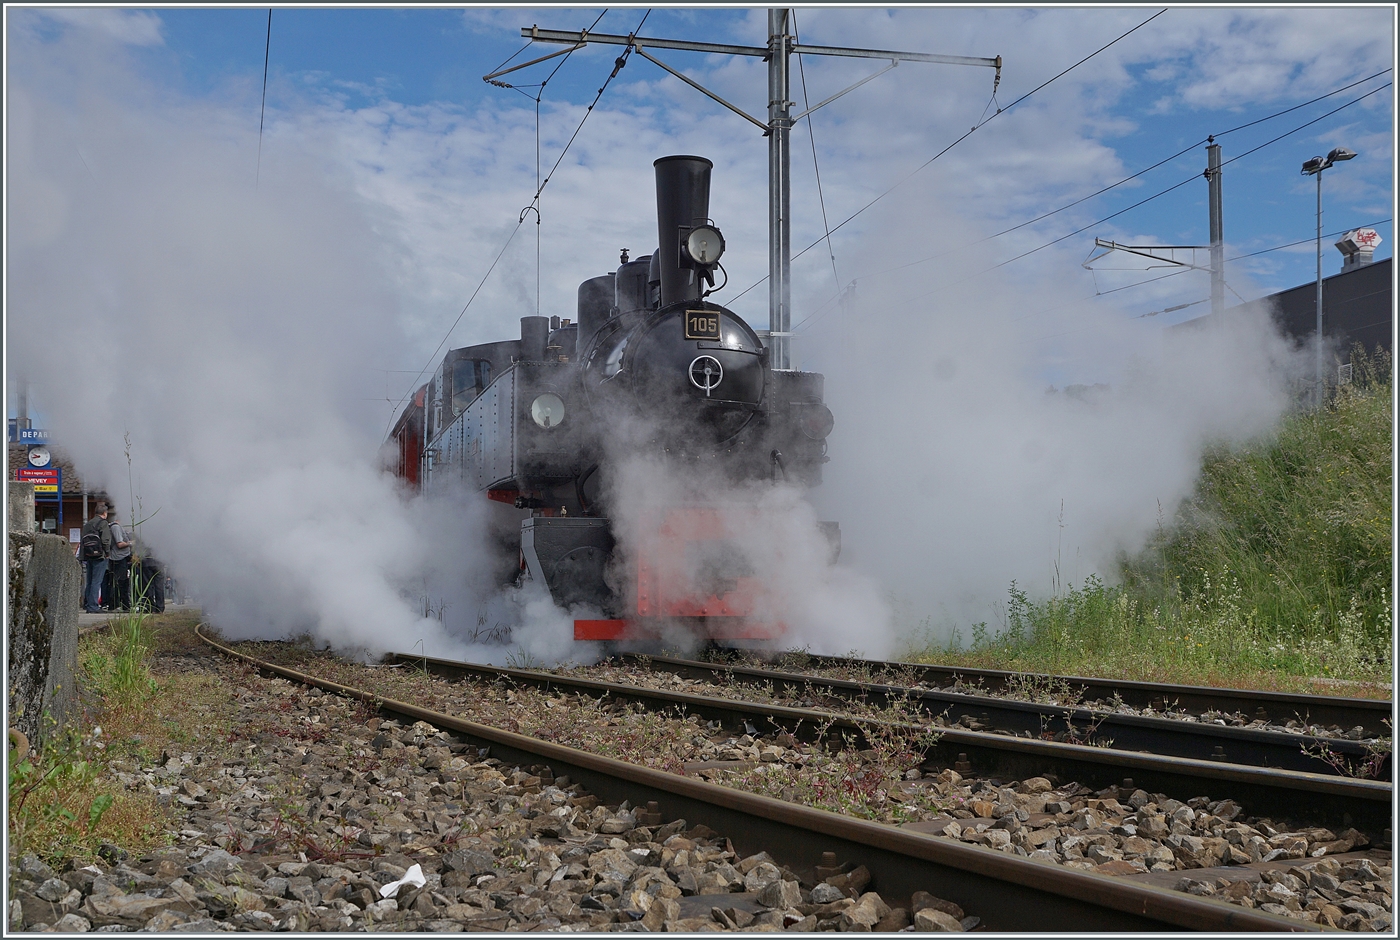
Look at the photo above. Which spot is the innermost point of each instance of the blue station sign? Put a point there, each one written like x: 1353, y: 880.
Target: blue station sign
x: 19, y: 435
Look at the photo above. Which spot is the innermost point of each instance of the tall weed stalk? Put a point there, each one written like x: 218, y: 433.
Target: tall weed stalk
x: 117, y: 668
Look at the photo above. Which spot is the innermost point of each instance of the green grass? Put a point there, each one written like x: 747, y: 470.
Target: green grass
x: 115, y: 665
x: 65, y: 800
x: 1276, y: 569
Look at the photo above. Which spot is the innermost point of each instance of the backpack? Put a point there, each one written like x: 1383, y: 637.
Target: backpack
x: 92, y: 545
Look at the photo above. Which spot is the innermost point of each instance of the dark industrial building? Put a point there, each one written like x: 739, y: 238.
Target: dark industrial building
x: 1357, y: 307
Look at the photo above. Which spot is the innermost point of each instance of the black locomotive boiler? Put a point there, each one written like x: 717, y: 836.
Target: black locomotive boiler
x: 649, y: 369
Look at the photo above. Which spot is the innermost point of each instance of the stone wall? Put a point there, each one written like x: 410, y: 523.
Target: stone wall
x: 45, y: 587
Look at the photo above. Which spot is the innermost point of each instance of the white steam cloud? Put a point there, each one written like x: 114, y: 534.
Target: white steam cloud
x: 160, y: 293
x: 958, y: 466
x: 769, y: 547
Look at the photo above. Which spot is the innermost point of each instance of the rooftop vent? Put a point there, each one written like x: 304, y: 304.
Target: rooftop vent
x: 1357, y: 248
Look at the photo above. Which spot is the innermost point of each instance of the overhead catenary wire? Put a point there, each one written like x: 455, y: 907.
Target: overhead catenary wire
x: 1230, y: 260
x: 1162, y: 277
x: 1178, y: 273
x: 618, y: 65
x: 1142, y: 172
x: 262, y: 112
x: 811, y: 135
x: 482, y: 283
x: 815, y: 316
x: 534, y: 204
x: 1308, y: 124
x: 1190, y: 179
x: 1251, y: 254
x: 537, y: 98
x: 975, y: 128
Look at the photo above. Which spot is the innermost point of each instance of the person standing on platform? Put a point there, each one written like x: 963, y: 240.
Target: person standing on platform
x: 119, y: 565
x: 95, y: 546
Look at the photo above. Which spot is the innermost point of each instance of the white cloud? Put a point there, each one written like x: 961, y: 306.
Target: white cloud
x: 130, y: 27
x: 249, y: 322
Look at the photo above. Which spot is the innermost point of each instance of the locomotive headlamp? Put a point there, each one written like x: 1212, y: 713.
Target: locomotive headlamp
x: 704, y: 245
x: 817, y: 422
x: 547, y: 410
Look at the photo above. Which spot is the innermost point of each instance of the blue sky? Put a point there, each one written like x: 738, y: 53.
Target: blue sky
x: 422, y: 57
x: 245, y: 316
x: 396, y: 95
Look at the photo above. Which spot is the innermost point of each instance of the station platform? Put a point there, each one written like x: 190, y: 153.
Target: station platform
x: 88, y: 621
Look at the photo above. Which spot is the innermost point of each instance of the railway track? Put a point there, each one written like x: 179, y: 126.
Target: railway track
x: 1306, y: 798
x: 1370, y: 715
x: 1008, y: 892
x: 1164, y: 736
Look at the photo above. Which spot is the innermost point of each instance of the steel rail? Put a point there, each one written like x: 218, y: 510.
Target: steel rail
x: 1008, y: 893
x: 1370, y: 714
x: 1305, y: 798
x: 1165, y: 736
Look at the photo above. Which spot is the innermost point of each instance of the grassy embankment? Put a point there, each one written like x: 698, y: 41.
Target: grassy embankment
x: 1276, y: 570
x: 66, y: 801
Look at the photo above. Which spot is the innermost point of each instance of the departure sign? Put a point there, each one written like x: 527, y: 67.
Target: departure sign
x: 702, y: 324
x: 47, y: 480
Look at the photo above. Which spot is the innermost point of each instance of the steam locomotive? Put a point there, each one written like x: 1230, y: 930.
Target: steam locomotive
x: 650, y: 371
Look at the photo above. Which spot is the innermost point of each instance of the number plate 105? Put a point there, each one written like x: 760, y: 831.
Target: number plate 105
x: 702, y: 324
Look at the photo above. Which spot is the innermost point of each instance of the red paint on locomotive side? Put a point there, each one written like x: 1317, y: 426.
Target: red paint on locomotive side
x: 678, y: 550
x: 600, y: 629
x: 408, y: 441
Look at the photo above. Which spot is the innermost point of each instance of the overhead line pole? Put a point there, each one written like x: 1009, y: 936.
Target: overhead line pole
x: 1217, y: 241
x: 1217, y: 232
x: 779, y: 193
x: 778, y: 53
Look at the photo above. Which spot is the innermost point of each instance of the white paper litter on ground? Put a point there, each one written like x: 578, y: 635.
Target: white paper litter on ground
x: 413, y: 877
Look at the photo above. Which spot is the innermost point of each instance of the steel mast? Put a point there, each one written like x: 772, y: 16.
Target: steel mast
x: 779, y: 192
x: 777, y: 129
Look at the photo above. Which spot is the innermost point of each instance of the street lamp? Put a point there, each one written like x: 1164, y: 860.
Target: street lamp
x: 1314, y: 167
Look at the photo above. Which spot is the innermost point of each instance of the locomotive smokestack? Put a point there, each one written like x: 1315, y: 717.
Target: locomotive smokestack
x: 682, y: 200
x: 534, y: 337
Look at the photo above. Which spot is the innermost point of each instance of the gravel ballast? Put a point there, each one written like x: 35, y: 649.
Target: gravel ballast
x: 314, y: 804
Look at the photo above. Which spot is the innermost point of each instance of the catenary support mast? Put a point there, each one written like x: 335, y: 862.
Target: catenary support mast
x: 1167, y: 253
x: 1217, y: 232
x: 781, y: 46
x: 779, y: 193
